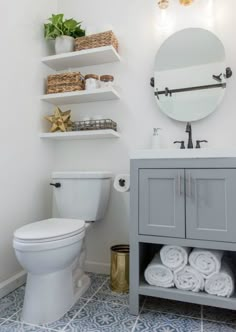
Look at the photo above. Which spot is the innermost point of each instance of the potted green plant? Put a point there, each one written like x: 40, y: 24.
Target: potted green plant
x: 64, y: 31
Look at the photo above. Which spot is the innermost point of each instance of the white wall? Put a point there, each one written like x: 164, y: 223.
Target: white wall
x: 25, y: 162
x: 141, y: 28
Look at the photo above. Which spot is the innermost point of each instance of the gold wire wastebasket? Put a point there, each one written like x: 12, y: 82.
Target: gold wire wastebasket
x: 119, y: 279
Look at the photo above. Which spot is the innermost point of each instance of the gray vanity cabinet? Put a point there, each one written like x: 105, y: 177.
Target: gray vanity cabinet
x: 161, y: 202
x: 188, y: 202
x: 211, y: 204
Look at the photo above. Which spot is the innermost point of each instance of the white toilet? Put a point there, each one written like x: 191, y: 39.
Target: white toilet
x: 52, y: 251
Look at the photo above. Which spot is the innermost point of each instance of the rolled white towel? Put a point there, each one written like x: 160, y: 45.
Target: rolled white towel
x: 207, y: 262
x: 156, y: 274
x: 189, y: 279
x: 221, y: 283
x: 174, y: 257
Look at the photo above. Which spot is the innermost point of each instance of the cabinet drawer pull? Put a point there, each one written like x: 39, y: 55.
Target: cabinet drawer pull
x: 189, y: 187
x: 178, y: 185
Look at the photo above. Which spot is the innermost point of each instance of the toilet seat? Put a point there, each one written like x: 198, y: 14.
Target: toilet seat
x: 49, y: 230
x: 48, y: 234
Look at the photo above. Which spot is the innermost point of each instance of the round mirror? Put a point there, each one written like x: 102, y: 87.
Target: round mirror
x: 190, y: 78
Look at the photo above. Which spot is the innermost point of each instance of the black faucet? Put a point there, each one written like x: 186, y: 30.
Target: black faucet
x: 190, y: 140
x: 189, y: 131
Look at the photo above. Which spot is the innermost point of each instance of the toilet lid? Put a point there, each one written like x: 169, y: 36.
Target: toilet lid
x: 50, y: 229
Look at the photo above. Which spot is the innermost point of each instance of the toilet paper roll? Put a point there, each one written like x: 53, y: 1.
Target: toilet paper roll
x: 122, y: 183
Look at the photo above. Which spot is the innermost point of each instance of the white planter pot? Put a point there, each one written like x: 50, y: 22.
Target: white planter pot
x: 64, y: 44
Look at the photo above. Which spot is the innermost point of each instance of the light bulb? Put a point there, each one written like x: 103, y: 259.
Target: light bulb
x: 186, y: 2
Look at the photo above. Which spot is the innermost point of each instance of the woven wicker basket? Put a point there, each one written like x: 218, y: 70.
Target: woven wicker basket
x: 94, y: 125
x: 107, y: 38
x: 65, y: 82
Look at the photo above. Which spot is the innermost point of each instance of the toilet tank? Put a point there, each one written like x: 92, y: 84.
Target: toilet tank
x: 82, y: 195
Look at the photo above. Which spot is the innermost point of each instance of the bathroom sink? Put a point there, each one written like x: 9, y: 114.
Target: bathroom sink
x: 183, y: 154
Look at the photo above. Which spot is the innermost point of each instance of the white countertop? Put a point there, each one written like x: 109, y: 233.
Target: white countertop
x: 183, y: 154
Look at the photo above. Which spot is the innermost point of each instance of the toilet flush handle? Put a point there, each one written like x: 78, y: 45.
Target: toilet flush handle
x: 56, y: 185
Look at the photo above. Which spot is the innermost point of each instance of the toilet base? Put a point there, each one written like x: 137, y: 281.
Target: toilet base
x: 49, y: 297
x: 82, y: 286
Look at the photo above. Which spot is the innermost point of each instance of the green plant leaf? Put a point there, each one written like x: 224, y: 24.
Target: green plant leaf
x: 78, y: 32
x: 57, y: 26
x: 70, y: 24
x: 57, y: 19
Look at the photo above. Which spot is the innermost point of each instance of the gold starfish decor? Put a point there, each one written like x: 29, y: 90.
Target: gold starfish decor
x: 60, y: 120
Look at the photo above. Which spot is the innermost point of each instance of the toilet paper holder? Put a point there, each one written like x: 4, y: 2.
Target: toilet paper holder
x: 122, y: 182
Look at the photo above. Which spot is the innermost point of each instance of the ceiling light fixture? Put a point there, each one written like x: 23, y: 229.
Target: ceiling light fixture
x: 163, y: 4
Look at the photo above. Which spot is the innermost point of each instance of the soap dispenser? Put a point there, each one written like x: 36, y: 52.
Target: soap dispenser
x: 156, y: 139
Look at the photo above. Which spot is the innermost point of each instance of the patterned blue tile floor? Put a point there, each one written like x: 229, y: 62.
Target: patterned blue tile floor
x: 100, y: 310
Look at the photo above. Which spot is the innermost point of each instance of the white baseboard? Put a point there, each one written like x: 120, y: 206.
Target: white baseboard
x: 12, y: 283
x: 96, y: 267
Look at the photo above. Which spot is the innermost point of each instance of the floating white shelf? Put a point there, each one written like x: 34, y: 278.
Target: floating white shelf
x: 78, y: 97
x: 81, y: 135
x: 94, y: 56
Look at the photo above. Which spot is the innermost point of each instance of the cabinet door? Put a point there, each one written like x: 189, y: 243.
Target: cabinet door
x: 211, y: 204
x: 162, y: 202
